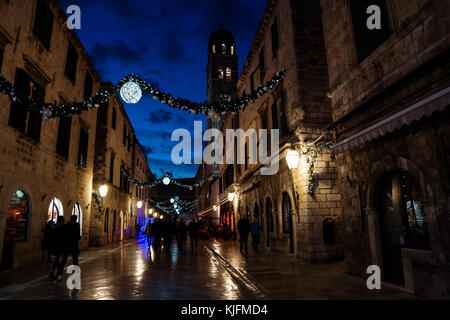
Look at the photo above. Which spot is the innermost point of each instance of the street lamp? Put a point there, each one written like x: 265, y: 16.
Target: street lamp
x: 150, y: 211
x: 215, y: 208
x: 292, y: 159
x: 231, y: 196
x: 103, y: 190
x: 139, y: 204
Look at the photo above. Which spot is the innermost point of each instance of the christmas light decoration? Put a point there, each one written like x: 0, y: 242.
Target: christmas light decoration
x: 130, y: 89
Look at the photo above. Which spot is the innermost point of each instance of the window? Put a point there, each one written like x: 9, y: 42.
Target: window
x: 232, y: 50
x: 274, y: 33
x: 224, y: 48
x: 63, y: 142
x: 124, y: 138
x: 71, y: 63
x: 282, y: 112
x: 220, y: 73
x: 114, y: 118
x: 111, y: 167
x: 106, y: 224
x: 43, y: 23
x: 368, y: 40
x: 269, y: 216
x: 274, y: 116
x: 17, y: 219
x: 228, y: 73
x: 83, y: 148
x: 252, y: 82
x: 287, y: 214
x: 88, y: 85
x: 55, y: 210
x: 262, y: 67
x: 27, y: 122
x: 1, y: 59
x: 214, y: 48
x: 76, y: 211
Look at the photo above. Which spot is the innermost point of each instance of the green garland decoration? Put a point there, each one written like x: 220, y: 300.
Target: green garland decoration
x: 164, y: 179
x: 49, y: 110
x: 314, y: 154
x: 184, y: 206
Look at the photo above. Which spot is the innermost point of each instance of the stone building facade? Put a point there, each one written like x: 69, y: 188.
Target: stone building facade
x: 390, y: 98
x: 46, y: 166
x: 294, y: 221
x: 115, y: 215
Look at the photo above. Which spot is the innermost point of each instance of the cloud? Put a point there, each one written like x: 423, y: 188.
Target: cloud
x: 146, y: 150
x: 118, y: 51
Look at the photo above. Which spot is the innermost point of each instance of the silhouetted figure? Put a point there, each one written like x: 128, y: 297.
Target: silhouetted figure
x: 72, y: 235
x: 181, y: 234
x: 138, y: 230
x: 57, y: 247
x: 168, y: 232
x: 47, y: 241
x: 156, y: 231
x: 243, y: 227
x: 149, y: 232
x: 193, y: 233
x: 255, y: 230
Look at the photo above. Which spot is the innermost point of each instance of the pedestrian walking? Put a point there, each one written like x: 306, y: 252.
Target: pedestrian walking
x: 181, y: 235
x: 47, y: 241
x: 57, y: 244
x: 156, y: 231
x: 243, y: 227
x: 193, y: 233
x: 149, y: 233
x: 168, y: 231
x: 138, y: 229
x: 255, y: 230
x: 72, y: 236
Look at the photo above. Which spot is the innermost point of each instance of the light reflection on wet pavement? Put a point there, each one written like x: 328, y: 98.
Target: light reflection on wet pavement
x: 214, y: 271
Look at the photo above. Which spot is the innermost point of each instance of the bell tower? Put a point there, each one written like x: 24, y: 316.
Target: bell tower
x: 222, y: 69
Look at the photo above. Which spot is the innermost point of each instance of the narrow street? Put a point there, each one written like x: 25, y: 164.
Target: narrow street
x: 215, y: 271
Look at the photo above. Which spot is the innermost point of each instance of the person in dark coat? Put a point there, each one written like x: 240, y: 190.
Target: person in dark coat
x: 255, y: 230
x: 47, y: 241
x: 137, y: 229
x: 156, y: 230
x: 243, y: 227
x: 193, y: 233
x: 72, y: 236
x: 181, y: 234
x: 57, y: 244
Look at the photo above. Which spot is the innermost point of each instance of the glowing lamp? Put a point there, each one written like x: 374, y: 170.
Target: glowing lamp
x: 166, y: 180
x: 231, y: 196
x: 150, y: 211
x: 103, y: 190
x: 215, y: 208
x: 139, y: 204
x: 292, y: 159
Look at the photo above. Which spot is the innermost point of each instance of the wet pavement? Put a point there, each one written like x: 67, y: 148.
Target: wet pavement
x: 215, y: 271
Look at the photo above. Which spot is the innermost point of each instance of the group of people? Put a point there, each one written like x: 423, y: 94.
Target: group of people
x: 61, y: 241
x: 168, y: 229
x: 245, y: 228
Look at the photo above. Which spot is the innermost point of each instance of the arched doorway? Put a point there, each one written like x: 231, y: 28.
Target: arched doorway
x: 403, y: 224
x: 76, y: 211
x: 121, y: 225
x: 114, y: 226
x: 106, y: 225
x: 55, y: 210
x: 256, y: 212
x: 269, y: 220
x: 287, y: 220
x: 16, y: 227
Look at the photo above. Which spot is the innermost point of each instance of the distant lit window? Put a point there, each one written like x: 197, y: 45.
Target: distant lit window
x: 55, y: 210
x: 228, y: 73
x: 224, y: 48
x: 232, y: 50
x: 220, y: 73
x: 214, y: 48
x: 76, y: 211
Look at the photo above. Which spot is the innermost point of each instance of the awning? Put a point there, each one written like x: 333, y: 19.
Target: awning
x: 436, y: 102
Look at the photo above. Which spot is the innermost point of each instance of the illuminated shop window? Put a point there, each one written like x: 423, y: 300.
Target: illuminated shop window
x: 55, y: 210
x: 17, y: 218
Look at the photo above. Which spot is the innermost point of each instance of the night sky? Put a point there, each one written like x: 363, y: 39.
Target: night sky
x: 165, y: 43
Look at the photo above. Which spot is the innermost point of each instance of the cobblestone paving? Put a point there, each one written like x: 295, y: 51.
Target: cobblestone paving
x: 214, y: 271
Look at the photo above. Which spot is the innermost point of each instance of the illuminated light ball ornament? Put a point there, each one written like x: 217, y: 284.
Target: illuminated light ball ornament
x: 172, y: 200
x: 166, y: 180
x: 131, y: 92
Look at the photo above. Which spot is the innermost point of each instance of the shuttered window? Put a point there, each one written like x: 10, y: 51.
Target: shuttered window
x: 63, y: 142
x: 43, y: 23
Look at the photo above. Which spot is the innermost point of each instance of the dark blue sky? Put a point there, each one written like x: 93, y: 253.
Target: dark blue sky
x: 164, y: 42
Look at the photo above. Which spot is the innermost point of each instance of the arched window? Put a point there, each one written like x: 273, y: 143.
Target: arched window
x: 77, y: 212
x: 17, y: 219
x: 214, y: 48
x: 269, y: 216
x: 228, y: 73
x: 55, y: 210
x: 232, y: 50
x: 114, y: 220
x: 220, y: 73
x: 287, y: 213
x: 224, y: 48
